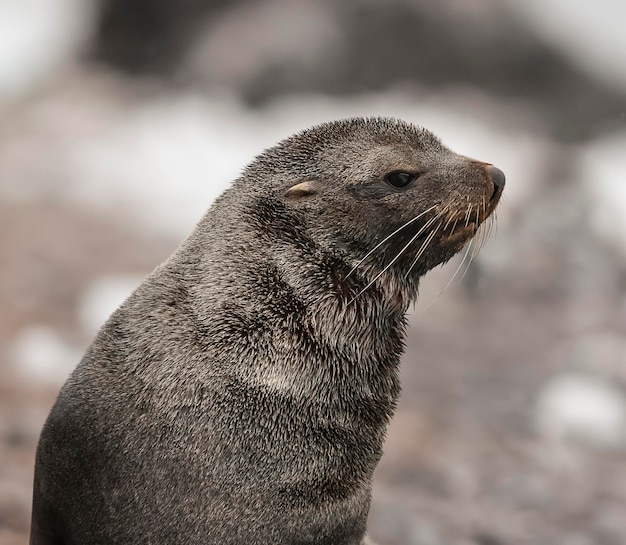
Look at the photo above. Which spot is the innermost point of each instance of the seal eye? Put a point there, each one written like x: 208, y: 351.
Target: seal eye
x: 400, y: 179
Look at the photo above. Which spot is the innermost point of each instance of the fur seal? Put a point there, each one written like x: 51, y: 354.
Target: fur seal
x: 241, y: 394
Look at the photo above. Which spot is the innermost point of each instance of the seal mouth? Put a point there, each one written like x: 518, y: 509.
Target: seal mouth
x: 466, y: 218
x: 470, y: 220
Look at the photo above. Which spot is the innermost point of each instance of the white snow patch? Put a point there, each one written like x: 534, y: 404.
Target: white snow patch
x: 37, y: 36
x: 165, y: 162
x: 603, y: 168
x: 582, y: 408
x: 102, y: 298
x: 39, y: 353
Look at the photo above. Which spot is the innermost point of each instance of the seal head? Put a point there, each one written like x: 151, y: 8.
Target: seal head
x: 381, y: 195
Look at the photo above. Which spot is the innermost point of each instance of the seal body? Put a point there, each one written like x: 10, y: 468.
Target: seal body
x: 241, y: 394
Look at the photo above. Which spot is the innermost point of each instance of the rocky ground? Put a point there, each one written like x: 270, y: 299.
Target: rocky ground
x: 511, y: 429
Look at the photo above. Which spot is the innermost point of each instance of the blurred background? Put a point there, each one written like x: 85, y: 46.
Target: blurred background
x: 121, y: 120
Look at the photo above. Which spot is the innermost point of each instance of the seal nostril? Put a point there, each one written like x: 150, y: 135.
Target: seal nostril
x: 497, y: 176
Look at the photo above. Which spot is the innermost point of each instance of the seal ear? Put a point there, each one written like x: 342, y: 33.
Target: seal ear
x: 303, y: 189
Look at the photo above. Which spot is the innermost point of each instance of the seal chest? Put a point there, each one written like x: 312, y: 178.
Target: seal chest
x: 241, y: 394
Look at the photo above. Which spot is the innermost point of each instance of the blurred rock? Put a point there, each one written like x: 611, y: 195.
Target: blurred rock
x: 143, y: 36
x: 252, y: 40
x: 601, y: 353
x: 590, y: 35
x: 254, y: 51
x: 396, y: 524
x: 14, y: 509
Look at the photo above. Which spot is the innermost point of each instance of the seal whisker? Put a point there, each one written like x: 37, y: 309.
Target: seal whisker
x: 469, y: 264
x: 490, y: 226
x: 483, y: 235
x: 425, y: 244
x: 461, y: 263
x: 477, y: 242
x: 468, y: 213
x: 388, y: 237
x: 413, y: 238
x: 493, y: 225
x: 450, y: 219
x: 444, y: 211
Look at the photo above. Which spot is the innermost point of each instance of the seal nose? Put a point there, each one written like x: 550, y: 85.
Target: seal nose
x: 497, y: 177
